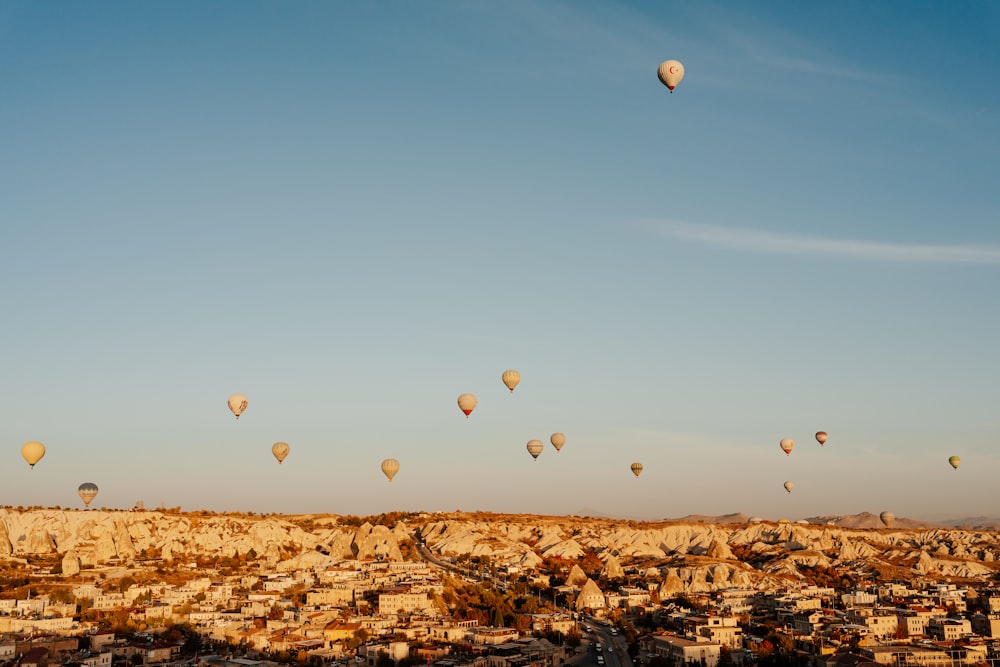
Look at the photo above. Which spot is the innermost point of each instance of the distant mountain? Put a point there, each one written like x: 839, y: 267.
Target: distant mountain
x: 867, y: 520
x: 861, y: 521
x: 723, y: 519
x: 973, y: 523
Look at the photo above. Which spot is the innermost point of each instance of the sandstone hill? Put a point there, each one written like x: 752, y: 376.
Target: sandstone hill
x: 676, y: 556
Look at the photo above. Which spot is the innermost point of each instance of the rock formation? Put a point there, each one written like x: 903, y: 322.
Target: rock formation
x: 678, y: 557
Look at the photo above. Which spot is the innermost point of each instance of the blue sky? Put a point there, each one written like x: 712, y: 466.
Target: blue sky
x: 354, y: 212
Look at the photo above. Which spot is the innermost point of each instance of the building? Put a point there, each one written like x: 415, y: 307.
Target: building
x: 949, y: 629
x: 723, y: 629
x: 679, y: 651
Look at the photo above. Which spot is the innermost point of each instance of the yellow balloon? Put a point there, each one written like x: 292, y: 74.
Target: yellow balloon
x: 390, y: 467
x: 636, y: 469
x: 32, y: 452
x: 558, y: 440
x: 280, y: 450
x: 467, y: 403
x: 510, y: 379
x: 237, y: 403
x: 535, y: 448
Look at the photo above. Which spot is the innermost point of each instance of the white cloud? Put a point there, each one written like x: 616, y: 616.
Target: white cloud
x: 763, y: 241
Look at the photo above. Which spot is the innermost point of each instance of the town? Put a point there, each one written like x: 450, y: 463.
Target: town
x: 104, y: 588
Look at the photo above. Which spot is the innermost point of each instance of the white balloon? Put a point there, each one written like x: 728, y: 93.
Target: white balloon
x: 670, y: 73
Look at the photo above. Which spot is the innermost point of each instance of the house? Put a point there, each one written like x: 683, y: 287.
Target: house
x: 590, y: 598
x: 493, y: 636
x: 35, y: 657
x: 552, y: 623
x: 679, y: 651
x: 722, y: 629
x: 949, y: 629
x: 880, y: 622
x: 807, y: 623
x: 401, y: 600
x: 395, y: 650
x: 339, y: 630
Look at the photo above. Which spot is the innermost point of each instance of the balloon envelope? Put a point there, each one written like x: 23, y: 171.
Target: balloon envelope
x: 237, y: 403
x: 280, y: 450
x: 670, y: 73
x: 535, y: 448
x: 789, y: 486
x: 558, y: 440
x: 87, y: 491
x: 636, y: 468
x: 787, y: 445
x: 954, y: 461
x: 511, y: 378
x: 467, y: 403
x: 887, y: 518
x: 32, y: 452
x: 390, y: 467
x: 821, y: 437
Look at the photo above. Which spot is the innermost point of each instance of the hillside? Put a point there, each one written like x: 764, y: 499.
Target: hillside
x: 694, y: 555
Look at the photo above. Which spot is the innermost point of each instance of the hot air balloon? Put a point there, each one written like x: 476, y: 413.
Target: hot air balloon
x: 535, y: 448
x: 32, y: 452
x: 558, y: 440
x: 670, y: 73
x: 467, y: 403
x: 789, y: 486
x: 87, y: 491
x: 887, y: 518
x: 237, y: 403
x: 787, y: 444
x: 511, y: 378
x: 954, y: 461
x: 636, y: 469
x: 821, y: 437
x: 390, y: 467
x: 280, y: 450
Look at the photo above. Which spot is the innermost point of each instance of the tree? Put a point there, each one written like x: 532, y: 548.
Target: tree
x: 360, y: 637
x: 591, y: 564
x: 61, y: 596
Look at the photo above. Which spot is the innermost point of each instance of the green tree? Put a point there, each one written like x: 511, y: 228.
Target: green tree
x: 61, y: 596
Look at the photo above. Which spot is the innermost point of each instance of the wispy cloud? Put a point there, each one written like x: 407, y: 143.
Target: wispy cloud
x: 763, y: 241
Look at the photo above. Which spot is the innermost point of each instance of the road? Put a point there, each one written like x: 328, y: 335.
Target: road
x: 468, y: 573
x: 614, y: 648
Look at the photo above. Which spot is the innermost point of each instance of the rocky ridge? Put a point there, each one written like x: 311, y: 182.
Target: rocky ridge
x: 676, y: 556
